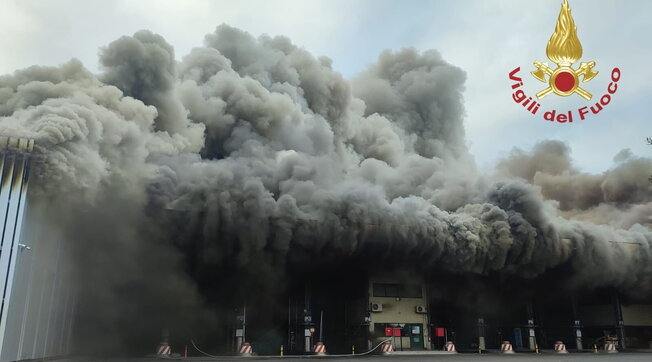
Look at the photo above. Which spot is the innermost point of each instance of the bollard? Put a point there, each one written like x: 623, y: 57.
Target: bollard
x: 386, y: 348
x: 506, y: 347
x: 245, y: 349
x: 595, y: 348
x: 185, y: 351
x: 319, y: 349
x: 281, y: 350
x: 610, y: 346
x: 353, y: 349
x: 479, y: 349
x: 450, y: 347
x: 536, y: 348
x: 560, y: 347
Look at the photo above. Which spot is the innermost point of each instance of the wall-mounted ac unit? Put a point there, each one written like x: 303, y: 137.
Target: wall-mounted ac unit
x: 420, y: 309
x: 376, y: 307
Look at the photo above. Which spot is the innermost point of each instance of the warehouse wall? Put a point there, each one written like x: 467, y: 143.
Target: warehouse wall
x: 39, y: 301
x: 637, y: 315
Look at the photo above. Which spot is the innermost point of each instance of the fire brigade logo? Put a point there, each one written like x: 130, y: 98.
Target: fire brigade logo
x: 564, y: 49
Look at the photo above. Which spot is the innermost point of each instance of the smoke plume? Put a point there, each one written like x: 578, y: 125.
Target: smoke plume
x: 250, y: 158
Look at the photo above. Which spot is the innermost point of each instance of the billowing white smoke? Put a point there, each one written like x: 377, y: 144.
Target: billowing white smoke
x: 270, y: 157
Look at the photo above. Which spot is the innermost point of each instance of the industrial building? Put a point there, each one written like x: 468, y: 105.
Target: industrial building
x: 38, y: 299
x: 359, y: 311
x: 350, y: 308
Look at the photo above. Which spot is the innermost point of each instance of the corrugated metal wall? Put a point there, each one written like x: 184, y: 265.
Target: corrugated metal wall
x: 38, y: 298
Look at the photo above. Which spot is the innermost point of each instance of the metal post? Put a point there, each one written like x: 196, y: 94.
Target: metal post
x: 307, y: 311
x: 244, y: 322
x: 619, y: 320
x: 307, y: 341
x: 321, y: 326
x: 481, y: 332
x: 428, y: 326
x: 532, y: 341
x: 577, y: 325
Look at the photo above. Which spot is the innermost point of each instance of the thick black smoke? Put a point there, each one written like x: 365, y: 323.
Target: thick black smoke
x: 250, y: 159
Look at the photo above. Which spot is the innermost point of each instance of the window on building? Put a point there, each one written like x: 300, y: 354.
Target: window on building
x: 397, y: 290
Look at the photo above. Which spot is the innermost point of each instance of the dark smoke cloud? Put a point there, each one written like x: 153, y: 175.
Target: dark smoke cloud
x: 619, y: 196
x: 250, y: 158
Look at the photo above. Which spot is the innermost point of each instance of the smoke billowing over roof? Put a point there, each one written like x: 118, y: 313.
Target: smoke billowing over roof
x: 250, y: 157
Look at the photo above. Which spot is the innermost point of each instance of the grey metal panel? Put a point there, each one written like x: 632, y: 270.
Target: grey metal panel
x: 5, y: 206
x: 36, y: 320
x: 4, y: 180
x: 50, y: 327
x: 25, y: 296
x: 23, y: 291
x: 15, y: 267
x: 10, y: 202
x: 12, y: 234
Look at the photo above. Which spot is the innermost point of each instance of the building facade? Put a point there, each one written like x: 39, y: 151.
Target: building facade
x: 399, y: 312
x: 38, y: 299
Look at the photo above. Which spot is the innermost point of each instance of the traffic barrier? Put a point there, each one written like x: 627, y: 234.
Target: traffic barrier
x: 450, y: 347
x: 610, y: 347
x: 560, y: 347
x: 163, y: 350
x: 319, y: 349
x: 506, y: 347
x: 245, y: 349
x: 387, y: 348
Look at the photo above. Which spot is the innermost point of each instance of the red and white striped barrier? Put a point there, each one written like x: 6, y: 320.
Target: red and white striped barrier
x: 245, y: 349
x: 560, y: 347
x: 450, y: 347
x: 163, y: 350
x: 506, y: 347
x: 319, y: 349
x: 386, y: 348
x: 610, y: 347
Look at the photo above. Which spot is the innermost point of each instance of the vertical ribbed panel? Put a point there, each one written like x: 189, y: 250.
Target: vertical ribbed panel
x: 14, y: 171
x: 39, y: 296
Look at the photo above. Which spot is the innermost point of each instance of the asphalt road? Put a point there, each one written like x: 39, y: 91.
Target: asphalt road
x: 462, y: 357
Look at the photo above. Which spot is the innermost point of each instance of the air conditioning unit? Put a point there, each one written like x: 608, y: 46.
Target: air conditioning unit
x: 420, y: 309
x: 376, y: 307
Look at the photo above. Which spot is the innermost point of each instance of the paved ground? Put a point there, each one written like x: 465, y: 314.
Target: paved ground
x: 462, y: 357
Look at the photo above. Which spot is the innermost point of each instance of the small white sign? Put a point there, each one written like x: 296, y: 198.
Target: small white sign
x: 307, y: 333
x: 238, y: 332
x: 578, y: 333
x: 531, y: 332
